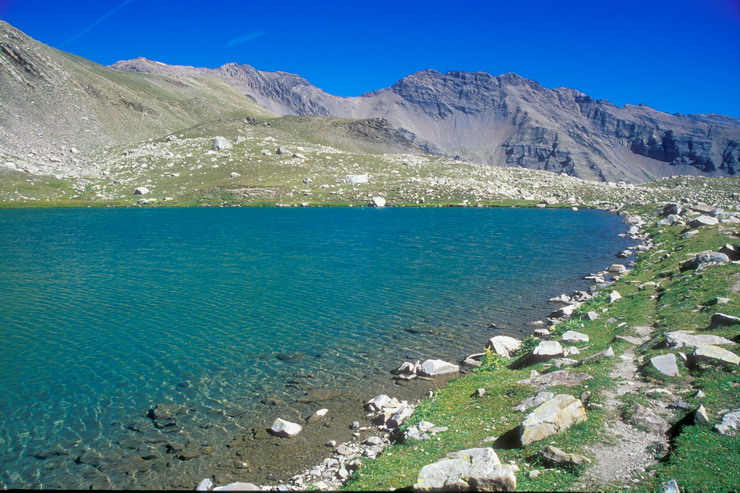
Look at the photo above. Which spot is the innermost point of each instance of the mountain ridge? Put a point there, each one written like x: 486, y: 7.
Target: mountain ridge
x: 508, y: 120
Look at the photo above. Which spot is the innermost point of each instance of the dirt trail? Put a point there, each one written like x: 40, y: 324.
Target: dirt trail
x: 629, y: 451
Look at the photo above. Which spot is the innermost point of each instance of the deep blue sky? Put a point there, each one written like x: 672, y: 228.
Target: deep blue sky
x: 674, y: 55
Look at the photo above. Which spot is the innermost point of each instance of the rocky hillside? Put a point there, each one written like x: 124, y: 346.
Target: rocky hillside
x: 52, y: 102
x: 507, y: 120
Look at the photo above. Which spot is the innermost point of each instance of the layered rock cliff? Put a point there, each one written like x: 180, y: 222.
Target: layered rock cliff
x: 508, y: 120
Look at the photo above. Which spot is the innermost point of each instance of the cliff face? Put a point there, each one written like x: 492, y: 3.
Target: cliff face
x: 509, y: 121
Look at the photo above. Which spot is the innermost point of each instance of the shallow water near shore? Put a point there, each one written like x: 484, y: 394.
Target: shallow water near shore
x: 238, y: 316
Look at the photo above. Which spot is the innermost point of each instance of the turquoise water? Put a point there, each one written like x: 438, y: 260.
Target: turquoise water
x: 106, y: 312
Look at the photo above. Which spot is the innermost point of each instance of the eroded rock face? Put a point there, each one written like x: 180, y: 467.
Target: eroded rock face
x: 556, y: 415
x: 559, y: 130
x: 477, y: 469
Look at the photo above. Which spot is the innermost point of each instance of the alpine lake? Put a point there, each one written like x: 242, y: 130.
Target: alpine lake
x: 228, y: 318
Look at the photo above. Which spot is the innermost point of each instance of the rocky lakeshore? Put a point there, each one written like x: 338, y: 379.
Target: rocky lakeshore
x: 562, y: 354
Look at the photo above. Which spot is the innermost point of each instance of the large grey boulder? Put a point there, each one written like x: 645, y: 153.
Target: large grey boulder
x: 476, y: 469
x: 377, y: 202
x: 220, y: 144
x: 436, y: 367
x: 669, y: 220
x: 556, y: 415
x: 704, y: 259
x: 669, y: 209
x: 544, y: 351
x: 666, y: 364
x: 715, y: 355
x: 721, y: 320
x: 565, y: 311
x: 141, y: 191
x: 547, y: 349
x: 681, y: 338
x: 285, y: 429
x: 700, y: 221
x: 504, y: 345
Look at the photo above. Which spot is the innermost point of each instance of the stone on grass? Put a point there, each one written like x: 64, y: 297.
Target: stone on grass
x: 642, y: 416
x: 732, y: 251
x: 669, y: 209
x: 616, y: 268
x: 399, y: 416
x: 700, y: 221
x: 554, y: 457
x: 700, y: 416
x: 377, y: 202
x: 565, y: 311
x: 614, y: 296
x: 721, y: 320
x: 553, y: 416
x: 477, y: 469
x: 704, y: 259
x: 574, y: 336
x: 535, y: 400
x: 220, y: 143
x: 547, y: 349
x: 666, y: 364
x: 592, y: 315
x: 730, y: 423
x: 503, y: 345
x: 715, y: 355
x: 356, y: 179
x: 285, y: 429
x: 606, y: 353
x: 681, y: 338
x: 141, y: 191
x: 560, y: 377
x: 435, y: 367
x: 670, y: 486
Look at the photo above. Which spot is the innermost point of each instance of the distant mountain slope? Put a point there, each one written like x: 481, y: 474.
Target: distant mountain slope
x: 507, y: 120
x: 51, y: 99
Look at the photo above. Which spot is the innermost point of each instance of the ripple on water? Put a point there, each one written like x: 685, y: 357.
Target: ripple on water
x: 241, y: 315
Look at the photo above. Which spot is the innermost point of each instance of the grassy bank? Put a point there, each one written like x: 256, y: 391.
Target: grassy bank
x: 655, y: 294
